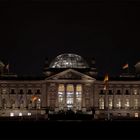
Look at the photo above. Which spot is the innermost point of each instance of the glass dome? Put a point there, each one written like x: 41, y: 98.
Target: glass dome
x: 69, y: 61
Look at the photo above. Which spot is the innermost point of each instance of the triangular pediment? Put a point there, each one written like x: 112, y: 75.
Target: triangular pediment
x: 70, y: 74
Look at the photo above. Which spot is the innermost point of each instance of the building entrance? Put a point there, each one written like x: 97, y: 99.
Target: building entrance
x: 69, y: 96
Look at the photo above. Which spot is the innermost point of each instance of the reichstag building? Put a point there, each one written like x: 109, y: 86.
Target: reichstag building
x: 70, y: 83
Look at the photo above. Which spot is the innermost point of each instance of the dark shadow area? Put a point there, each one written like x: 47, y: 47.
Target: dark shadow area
x: 45, y: 130
x: 70, y: 115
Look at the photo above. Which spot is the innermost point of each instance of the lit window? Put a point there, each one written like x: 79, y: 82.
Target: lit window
x: 78, y: 91
x: 29, y: 114
x: 70, y: 101
x: 4, y: 90
x: 38, y: 103
x: 61, y: 92
x: 11, y: 114
x: 22, y: 105
x: 78, y: 100
x: 29, y: 101
x: 135, y: 91
x: 127, y: 103
x: 70, y: 88
x: 13, y: 106
x: 135, y: 103
x: 136, y: 115
x: 78, y: 96
x: 70, y: 95
x: 61, y: 87
x: 119, y: 114
x: 20, y: 114
x: 110, y: 103
x: 60, y: 100
x: 101, y: 103
x: 118, y: 105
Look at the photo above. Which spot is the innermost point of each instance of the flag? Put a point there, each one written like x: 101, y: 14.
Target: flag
x: 125, y: 66
x: 106, y: 79
x: 34, y: 98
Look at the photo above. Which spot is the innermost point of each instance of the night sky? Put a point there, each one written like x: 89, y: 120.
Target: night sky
x: 31, y: 31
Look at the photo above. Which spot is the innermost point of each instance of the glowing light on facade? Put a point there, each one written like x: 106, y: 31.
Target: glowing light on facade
x: 20, y: 114
x: 11, y: 114
x: 29, y: 114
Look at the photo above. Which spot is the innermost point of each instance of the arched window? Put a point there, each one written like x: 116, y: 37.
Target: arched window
x: 78, y: 96
x: 70, y: 95
x: 61, y: 92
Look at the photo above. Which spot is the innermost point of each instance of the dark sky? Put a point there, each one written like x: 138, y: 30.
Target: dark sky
x: 109, y: 31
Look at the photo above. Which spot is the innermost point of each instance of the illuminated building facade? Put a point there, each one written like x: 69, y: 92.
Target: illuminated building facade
x: 69, y: 83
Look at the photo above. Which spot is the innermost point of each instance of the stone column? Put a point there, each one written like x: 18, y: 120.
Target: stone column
x: 74, y: 98
x: 65, y: 97
x: 44, y: 96
x: 83, y: 98
x: 56, y: 95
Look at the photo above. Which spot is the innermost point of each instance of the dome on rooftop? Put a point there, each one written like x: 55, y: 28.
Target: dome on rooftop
x: 69, y: 60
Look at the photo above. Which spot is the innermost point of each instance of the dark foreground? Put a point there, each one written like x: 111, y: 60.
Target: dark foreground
x: 45, y: 130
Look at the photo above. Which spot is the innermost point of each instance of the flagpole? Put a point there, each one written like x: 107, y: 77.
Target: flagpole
x: 128, y: 70
x: 106, y: 79
x: 107, y: 101
x: 7, y: 68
